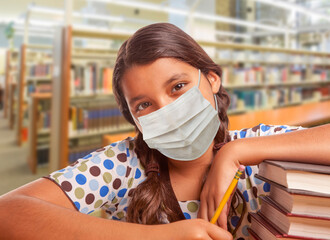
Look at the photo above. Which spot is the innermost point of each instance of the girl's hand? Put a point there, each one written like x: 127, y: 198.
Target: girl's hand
x: 194, y: 229
x: 222, y: 172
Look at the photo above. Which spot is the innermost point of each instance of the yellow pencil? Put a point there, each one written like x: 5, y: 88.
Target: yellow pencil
x: 227, y: 194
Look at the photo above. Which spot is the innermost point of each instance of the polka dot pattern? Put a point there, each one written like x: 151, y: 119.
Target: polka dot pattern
x: 79, y: 193
x: 66, y: 186
x: 107, y: 178
x: 95, y: 171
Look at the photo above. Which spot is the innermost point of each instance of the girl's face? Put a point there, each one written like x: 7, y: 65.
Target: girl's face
x: 148, y: 88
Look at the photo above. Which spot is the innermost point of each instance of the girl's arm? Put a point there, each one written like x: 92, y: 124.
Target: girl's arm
x: 40, y: 210
x: 307, y: 145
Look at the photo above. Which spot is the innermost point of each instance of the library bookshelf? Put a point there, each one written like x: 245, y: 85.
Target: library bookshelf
x: 12, y: 104
x: 261, y: 78
x: 81, y: 116
x: 11, y: 73
x: 302, y: 70
x: 35, y: 68
x: 38, y: 138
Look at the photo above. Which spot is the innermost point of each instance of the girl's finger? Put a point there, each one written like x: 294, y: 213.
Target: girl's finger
x: 222, y: 220
x: 210, y: 209
x: 202, y: 213
x: 217, y: 233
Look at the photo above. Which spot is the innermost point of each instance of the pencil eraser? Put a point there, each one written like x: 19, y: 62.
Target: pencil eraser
x: 241, y: 168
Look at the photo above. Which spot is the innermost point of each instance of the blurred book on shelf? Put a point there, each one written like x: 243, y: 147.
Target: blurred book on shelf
x: 40, y: 70
x: 83, y: 146
x: 91, y: 79
x: 84, y: 119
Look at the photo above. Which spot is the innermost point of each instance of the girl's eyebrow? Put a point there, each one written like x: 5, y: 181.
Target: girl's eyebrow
x: 135, y: 99
x: 175, y: 77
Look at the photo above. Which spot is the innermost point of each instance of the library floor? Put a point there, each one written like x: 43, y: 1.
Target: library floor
x: 14, y: 171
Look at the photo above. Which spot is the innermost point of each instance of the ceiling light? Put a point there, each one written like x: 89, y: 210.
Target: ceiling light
x: 295, y: 8
x: 210, y: 17
x: 232, y: 34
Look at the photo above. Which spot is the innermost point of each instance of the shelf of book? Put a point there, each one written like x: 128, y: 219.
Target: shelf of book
x: 82, y: 100
x: 10, y: 79
x: 39, y: 125
x: 35, y: 69
x: 274, y: 85
x: 39, y: 78
x: 110, y: 130
x: 12, y: 102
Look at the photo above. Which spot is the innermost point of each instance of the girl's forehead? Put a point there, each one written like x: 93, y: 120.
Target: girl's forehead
x: 160, y: 67
x: 158, y: 71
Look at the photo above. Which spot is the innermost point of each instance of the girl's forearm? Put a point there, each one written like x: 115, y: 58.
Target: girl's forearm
x: 31, y: 218
x: 308, y: 145
x: 28, y: 217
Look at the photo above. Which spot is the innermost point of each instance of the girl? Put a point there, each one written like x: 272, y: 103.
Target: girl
x: 177, y: 167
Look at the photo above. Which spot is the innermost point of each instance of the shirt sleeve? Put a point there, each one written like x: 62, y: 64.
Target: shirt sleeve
x: 262, y: 130
x: 103, y: 177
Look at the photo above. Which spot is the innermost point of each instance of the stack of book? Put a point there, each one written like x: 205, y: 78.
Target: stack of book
x: 298, y: 206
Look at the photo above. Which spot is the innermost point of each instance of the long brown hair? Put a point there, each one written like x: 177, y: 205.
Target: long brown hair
x: 161, y: 40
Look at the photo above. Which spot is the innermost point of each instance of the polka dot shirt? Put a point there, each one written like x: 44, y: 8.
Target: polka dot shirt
x: 105, y: 179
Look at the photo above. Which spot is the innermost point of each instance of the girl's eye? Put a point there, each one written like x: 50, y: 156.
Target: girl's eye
x: 143, y: 106
x: 178, y: 87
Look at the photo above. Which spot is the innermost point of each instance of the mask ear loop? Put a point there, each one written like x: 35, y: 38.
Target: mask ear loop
x: 215, y: 96
x: 199, y: 77
x: 216, y: 102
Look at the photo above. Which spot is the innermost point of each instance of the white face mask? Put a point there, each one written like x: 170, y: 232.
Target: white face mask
x: 184, y: 129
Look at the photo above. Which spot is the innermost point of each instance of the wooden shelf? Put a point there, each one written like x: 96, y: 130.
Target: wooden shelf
x: 99, y: 96
x: 26, y: 51
x: 94, y: 50
x: 43, y: 131
x: 302, y: 83
x: 38, y: 78
x: 305, y: 115
x: 99, y: 34
x: 225, y: 45
x: 101, y: 132
x: 46, y: 62
x: 271, y: 85
x: 10, y: 73
x: 38, y: 46
x: 46, y: 146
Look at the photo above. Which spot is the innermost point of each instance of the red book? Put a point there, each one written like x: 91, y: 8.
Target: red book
x: 298, y: 225
x: 262, y: 229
